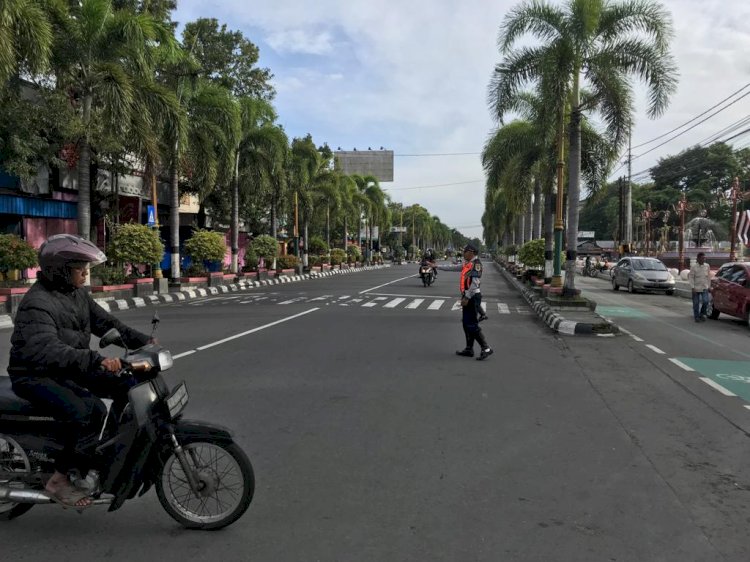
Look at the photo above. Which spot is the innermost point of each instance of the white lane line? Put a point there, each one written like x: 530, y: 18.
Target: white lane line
x: 394, y: 303
x: 456, y: 305
x: 356, y: 300
x: 747, y: 406
x: 502, y: 308
x: 414, y: 304
x: 175, y: 357
x: 655, y: 349
x: 411, y: 296
x: 344, y: 297
x: 717, y: 386
x: 258, y: 329
x: 681, y: 365
x: 389, y: 283
x: 296, y: 299
x: 631, y: 334
x: 370, y: 304
x: 435, y: 305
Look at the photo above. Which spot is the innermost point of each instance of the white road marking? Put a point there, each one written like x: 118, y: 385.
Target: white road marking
x: 502, y: 308
x: 435, y: 305
x: 717, y: 386
x: 631, y: 334
x: 394, y: 303
x: 258, y: 329
x: 414, y: 304
x: 344, y: 297
x: 747, y: 406
x: 655, y: 349
x: 681, y: 365
x: 175, y: 357
x: 456, y: 305
x: 389, y: 283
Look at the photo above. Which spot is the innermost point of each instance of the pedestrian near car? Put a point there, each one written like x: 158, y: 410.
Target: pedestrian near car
x: 699, y: 280
x: 469, y: 282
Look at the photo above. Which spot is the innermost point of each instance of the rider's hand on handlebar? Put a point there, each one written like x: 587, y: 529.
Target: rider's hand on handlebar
x: 112, y: 364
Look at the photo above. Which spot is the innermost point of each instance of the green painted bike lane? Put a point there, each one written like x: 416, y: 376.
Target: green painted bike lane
x: 734, y: 376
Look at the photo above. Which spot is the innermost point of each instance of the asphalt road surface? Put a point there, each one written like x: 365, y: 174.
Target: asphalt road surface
x: 373, y: 441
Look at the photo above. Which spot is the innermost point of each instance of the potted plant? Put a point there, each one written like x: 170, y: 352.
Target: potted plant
x: 15, y: 255
x: 267, y: 249
x: 338, y: 256
x: 353, y: 254
x: 286, y: 265
x: 250, y: 269
x: 205, y: 246
x: 136, y: 245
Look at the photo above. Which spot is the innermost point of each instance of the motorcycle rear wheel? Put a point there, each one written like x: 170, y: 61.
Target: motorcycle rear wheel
x: 220, y: 468
x: 12, y: 459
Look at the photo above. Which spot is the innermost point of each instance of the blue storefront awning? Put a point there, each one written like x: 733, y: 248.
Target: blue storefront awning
x: 32, y: 207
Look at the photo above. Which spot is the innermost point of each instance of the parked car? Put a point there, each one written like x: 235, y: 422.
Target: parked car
x: 642, y: 274
x: 730, y: 292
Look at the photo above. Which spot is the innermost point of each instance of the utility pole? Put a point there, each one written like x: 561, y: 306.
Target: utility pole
x: 620, y: 214
x: 629, y: 199
x: 735, y: 194
x: 296, y: 232
x: 155, y: 202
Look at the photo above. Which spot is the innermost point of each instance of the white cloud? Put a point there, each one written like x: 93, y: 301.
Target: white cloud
x: 413, y: 76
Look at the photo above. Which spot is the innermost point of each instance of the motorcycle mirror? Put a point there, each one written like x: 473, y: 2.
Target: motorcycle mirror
x: 111, y: 337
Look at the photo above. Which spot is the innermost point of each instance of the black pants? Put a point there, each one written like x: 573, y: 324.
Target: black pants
x: 470, y: 321
x: 75, y: 403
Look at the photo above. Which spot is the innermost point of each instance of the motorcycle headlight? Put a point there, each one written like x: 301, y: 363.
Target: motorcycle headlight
x: 165, y: 360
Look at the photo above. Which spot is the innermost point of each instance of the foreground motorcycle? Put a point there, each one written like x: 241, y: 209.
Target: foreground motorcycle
x: 203, y: 479
x: 427, y: 274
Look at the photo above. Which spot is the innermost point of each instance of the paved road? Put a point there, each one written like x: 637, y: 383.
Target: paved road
x: 372, y: 441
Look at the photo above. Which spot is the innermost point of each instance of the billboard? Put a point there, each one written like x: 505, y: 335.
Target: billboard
x: 378, y: 163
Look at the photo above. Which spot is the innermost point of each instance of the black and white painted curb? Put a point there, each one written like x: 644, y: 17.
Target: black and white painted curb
x: 554, y: 319
x: 187, y: 294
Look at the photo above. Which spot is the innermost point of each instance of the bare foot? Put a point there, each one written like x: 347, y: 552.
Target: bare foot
x: 62, y: 491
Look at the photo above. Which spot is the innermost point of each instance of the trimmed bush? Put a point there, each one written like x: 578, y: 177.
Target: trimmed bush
x: 353, y: 253
x: 266, y: 247
x: 205, y: 245
x: 251, y: 261
x: 338, y: 256
x: 16, y: 253
x: 287, y: 262
x: 135, y: 244
x: 318, y: 246
x: 531, y: 254
x: 109, y: 275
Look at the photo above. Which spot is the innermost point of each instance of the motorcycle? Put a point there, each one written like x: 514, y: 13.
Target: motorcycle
x: 427, y: 273
x: 203, y: 479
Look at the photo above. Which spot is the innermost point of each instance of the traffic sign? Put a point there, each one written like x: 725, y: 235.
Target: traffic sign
x: 151, y: 220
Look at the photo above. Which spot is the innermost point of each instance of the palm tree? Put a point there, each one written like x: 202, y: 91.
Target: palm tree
x: 25, y: 38
x: 597, y: 43
x: 105, y: 58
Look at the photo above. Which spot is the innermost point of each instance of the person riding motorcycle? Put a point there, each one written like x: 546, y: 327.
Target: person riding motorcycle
x: 52, y: 366
x: 429, y: 259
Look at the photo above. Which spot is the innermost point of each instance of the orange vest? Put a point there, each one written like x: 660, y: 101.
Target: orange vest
x: 464, y: 281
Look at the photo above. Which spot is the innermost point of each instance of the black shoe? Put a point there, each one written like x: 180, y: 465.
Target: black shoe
x: 703, y: 317
x: 483, y: 317
x: 697, y: 319
x: 485, y: 354
x: 466, y: 352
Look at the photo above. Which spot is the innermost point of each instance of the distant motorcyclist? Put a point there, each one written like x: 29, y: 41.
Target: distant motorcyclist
x: 51, y: 364
x: 429, y: 259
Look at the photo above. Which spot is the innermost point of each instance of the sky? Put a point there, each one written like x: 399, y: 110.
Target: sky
x: 412, y: 76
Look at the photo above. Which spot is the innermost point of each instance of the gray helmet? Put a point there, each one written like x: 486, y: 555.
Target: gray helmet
x: 61, y: 251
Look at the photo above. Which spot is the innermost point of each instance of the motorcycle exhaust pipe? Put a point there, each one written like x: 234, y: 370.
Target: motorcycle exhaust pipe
x: 15, y: 495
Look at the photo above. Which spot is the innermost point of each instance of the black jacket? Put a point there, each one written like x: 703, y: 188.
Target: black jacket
x: 53, y: 329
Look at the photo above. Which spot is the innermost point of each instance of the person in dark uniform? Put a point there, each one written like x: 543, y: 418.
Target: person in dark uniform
x: 470, y: 295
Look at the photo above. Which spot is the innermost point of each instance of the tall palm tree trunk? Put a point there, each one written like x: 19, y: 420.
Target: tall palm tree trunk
x: 574, y: 190
x: 549, y: 222
x: 236, y: 215
x: 537, y: 229
x: 174, y: 217
x: 84, y: 176
x: 530, y: 220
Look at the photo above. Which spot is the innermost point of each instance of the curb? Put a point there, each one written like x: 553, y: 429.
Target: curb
x: 6, y: 321
x: 555, y: 320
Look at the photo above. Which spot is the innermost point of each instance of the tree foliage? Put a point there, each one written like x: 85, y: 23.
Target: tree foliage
x: 265, y: 246
x: 135, y: 244
x: 206, y: 245
x: 16, y: 253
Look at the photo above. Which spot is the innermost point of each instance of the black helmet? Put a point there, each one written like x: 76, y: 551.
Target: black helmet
x: 61, y: 251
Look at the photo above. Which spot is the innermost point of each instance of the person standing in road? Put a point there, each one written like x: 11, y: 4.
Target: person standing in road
x: 470, y: 295
x: 699, y: 283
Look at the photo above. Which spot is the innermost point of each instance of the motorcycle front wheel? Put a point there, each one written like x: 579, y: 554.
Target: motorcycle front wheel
x: 225, y: 476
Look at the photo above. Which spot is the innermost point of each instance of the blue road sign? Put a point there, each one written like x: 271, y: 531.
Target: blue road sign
x: 151, y: 221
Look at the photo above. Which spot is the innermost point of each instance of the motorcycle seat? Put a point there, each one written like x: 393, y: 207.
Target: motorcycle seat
x: 12, y: 404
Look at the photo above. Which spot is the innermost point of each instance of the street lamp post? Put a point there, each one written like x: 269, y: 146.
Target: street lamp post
x: 734, y: 194
x: 648, y: 215
x: 681, y: 207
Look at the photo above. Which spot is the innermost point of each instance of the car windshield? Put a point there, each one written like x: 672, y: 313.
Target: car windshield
x: 649, y: 265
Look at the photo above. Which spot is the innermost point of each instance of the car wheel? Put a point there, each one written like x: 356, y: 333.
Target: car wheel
x: 670, y: 292
x: 631, y: 289
x: 615, y: 286
x: 711, y: 312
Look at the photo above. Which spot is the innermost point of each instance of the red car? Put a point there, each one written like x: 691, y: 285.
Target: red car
x: 730, y: 292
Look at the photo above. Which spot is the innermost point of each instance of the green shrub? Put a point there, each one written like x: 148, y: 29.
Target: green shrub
x: 251, y: 261
x: 316, y: 261
x: 353, y: 253
x: 206, y: 245
x: 16, y: 253
x: 135, y: 244
x: 195, y: 270
x: 265, y: 246
x: 338, y: 256
x: 288, y: 261
x: 109, y: 275
x: 531, y: 254
x: 318, y: 246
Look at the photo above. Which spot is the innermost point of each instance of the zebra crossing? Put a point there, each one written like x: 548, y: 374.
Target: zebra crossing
x: 434, y: 304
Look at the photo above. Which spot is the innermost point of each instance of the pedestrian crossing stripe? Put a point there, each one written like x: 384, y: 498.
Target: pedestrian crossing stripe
x: 394, y: 303
x: 435, y: 305
x: 415, y: 303
x: 502, y: 308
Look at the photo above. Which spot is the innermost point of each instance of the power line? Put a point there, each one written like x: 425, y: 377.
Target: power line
x: 443, y: 154
x: 431, y: 186
x: 694, y: 118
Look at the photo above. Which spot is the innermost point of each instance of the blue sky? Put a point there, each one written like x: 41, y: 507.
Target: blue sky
x: 412, y: 75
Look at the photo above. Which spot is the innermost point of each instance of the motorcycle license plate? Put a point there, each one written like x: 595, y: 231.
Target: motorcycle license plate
x: 178, y: 399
